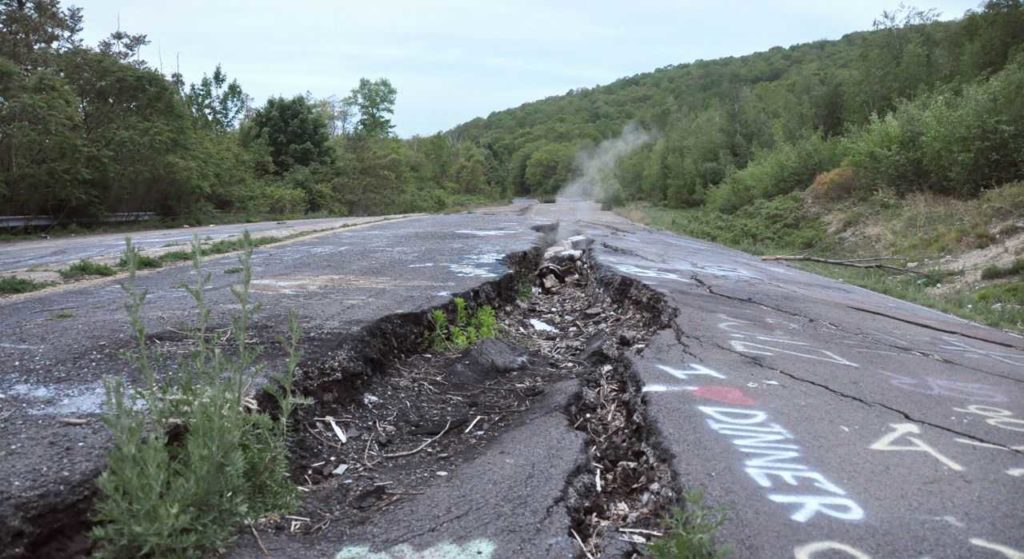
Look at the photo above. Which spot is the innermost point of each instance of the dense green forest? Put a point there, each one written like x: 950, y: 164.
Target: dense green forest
x: 86, y: 131
x: 914, y: 105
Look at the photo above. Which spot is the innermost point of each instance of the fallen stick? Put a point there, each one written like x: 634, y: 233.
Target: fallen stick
x: 258, y: 540
x: 856, y: 263
x: 580, y: 541
x: 422, y: 446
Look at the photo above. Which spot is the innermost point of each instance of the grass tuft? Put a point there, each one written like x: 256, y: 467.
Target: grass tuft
x: 999, y: 272
x: 690, y: 532
x: 133, y: 257
x: 84, y: 268
x: 12, y: 285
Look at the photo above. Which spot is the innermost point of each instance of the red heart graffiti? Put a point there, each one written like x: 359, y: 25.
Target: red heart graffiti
x: 725, y: 395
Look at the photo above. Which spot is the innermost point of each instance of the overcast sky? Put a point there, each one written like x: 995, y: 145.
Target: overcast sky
x: 453, y: 60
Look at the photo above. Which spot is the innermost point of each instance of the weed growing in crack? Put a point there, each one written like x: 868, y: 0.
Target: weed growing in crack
x: 691, y: 532
x: 525, y: 291
x: 84, y: 268
x: 11, y: 285
x: 133, y: 257
x: 193, y: 458
x: 465, y: 330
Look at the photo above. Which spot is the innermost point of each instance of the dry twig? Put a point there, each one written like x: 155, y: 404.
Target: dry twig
x: 580, y: 541
x: 422, y: 446
x: 259, y: 542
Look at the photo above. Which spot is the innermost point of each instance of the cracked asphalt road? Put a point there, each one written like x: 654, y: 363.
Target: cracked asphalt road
x: 52, y: 254
x: 828, y: 421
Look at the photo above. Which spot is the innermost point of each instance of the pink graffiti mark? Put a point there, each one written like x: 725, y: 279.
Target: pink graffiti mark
x: 725, y: 395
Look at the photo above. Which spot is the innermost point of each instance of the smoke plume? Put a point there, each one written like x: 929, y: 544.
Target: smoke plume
x: 597, y: 165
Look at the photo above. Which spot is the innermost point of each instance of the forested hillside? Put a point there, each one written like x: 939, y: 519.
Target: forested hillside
x: 916, y: 104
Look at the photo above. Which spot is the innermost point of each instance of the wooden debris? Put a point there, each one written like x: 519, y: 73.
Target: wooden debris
x: 854, y: 263
x: 337, y: 429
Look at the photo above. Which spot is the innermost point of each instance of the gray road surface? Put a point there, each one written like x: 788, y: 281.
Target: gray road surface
x: 58, y: 252
x: 828, y: 421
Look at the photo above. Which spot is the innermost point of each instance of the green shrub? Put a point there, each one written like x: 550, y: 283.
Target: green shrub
x: 192, y: 459
x: 11, y: 285
x: 997, y: 272
x: 84, y: 268
x: 133, y: 257
x: 832, y: 186
x: 466, y: 329
x: 781, y: 170
x: 175, y: 256
x: 779, y: 225
x: 947, y: 142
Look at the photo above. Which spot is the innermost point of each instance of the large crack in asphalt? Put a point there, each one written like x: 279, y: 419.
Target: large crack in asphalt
x: 623, y: 481
x: 931, y: 327
x: 581, y: 322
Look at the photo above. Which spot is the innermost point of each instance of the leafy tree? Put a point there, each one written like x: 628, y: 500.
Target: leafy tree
x: 293, y: 133
x: 215, y: 102
x: 32, y: 30
x: 337, y: 113
x: 374, y: 101
x: 124, y: 46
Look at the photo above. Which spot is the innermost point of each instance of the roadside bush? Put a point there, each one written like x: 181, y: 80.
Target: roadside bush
x: 11, y: 285
x: 84, y: 268
x: 779, y: 225
x: 138, y: 260
x: 997, y: 272
x: 784, y: 169
x: 275, y: 199
x: 193, y: 459
x: 832, y: 186
x: 947, y: 142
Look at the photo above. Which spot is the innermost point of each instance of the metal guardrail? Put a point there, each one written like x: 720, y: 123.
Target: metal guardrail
x: 16, y: 221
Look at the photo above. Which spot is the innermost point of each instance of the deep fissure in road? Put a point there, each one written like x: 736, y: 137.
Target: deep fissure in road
x: 578, y: 323
x: 377, y: 395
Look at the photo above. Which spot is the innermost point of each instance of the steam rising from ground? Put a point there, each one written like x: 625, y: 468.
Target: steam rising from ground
x: 597, y: 165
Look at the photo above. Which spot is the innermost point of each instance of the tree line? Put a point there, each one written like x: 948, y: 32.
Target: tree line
x: 90, y: 130
x: 916, y: 104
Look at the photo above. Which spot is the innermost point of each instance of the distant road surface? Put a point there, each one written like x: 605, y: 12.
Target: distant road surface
x: 59, y: 251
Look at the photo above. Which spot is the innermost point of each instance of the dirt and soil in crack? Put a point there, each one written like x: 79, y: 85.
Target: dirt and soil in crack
x: 425, y: 414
